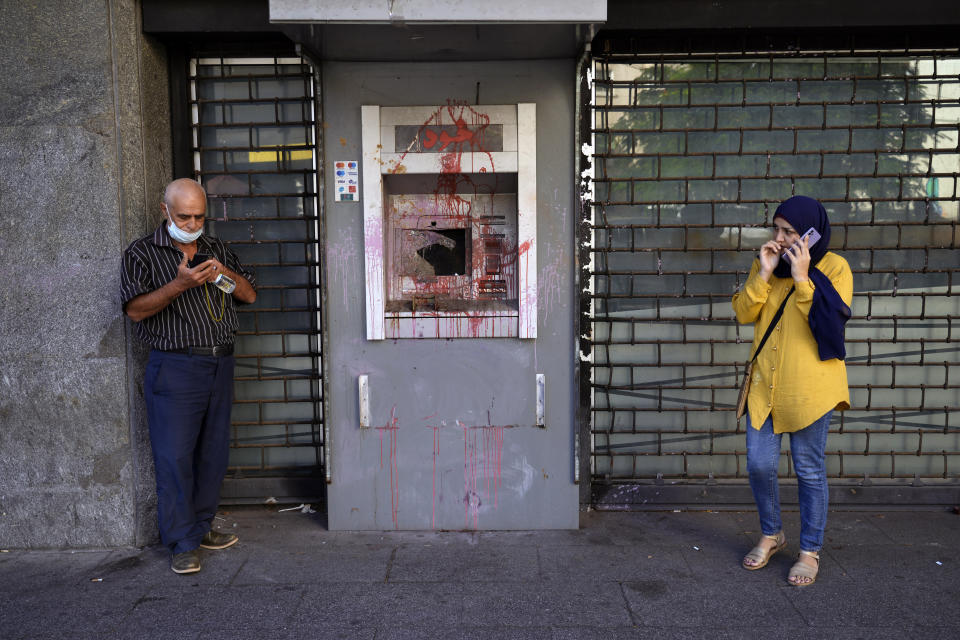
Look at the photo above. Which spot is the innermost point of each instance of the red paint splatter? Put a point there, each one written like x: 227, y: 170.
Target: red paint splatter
x: 486, y: 461
x: 492, y: 459
x: 471, y: 499
x: 436, y: 454
x: 393, y: 429
x: 453, y: 130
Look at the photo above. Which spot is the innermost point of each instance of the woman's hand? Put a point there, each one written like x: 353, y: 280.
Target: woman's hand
x: 799, y: 257
x: 769, y: 258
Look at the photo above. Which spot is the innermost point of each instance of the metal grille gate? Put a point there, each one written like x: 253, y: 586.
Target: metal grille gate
x: 691, y: 155
x: 255, y: 152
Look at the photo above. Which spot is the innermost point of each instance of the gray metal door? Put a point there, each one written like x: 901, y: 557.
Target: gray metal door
x: 255, y: 151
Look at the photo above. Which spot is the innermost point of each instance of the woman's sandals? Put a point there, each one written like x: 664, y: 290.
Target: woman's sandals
x: 803, y: 574
x: 761, y: 556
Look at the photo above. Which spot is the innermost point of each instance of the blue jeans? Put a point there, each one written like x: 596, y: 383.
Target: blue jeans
x: 188, y: 402
x: 807, y: 448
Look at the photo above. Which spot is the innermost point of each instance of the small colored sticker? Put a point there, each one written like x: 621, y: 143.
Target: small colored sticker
x: 347, y: 178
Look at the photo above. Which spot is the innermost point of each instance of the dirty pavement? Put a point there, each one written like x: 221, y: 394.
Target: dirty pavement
x: 622, y: 575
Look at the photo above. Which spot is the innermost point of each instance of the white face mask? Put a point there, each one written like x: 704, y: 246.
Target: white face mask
x: 181, y: 236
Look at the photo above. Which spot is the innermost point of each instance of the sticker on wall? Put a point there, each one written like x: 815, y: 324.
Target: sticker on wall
x: 347, y: 181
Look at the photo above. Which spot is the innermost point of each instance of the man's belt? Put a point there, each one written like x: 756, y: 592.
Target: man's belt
x: 218, y: 351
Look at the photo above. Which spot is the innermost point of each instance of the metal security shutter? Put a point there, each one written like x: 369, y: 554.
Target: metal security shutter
x: 255, y: 151
x: 691, y: 155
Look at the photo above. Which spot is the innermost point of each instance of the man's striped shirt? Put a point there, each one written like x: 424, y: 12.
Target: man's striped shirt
x: 151, y: 262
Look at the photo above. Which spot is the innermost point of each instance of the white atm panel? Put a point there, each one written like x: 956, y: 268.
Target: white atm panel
x: 450, y: 221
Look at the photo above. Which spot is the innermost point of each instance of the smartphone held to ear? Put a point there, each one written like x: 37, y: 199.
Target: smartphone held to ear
x: 810, y: 233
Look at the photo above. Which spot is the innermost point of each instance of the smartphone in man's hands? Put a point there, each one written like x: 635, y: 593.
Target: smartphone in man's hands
x: 198, y: 259
x: 810, y: 233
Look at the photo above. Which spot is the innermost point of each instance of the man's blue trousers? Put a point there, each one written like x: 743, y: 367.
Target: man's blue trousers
x: 188, y: 400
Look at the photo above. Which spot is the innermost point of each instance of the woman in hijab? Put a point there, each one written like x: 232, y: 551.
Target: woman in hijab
x: 799, y: 377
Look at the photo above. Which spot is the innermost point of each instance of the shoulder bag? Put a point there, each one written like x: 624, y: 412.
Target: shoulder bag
x: 748, y: 372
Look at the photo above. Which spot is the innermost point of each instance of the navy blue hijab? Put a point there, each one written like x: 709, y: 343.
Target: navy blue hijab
x: 828, y: 313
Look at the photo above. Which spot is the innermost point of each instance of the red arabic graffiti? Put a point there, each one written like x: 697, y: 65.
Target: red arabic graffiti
x: 463, y: 134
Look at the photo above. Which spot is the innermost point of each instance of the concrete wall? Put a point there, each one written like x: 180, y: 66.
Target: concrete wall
x: 84, y: 152
x: 441, y: 468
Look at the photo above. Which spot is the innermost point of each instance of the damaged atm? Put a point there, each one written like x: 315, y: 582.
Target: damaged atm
x: 450, y: 221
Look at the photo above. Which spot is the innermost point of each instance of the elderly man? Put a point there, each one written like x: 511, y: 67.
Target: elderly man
x: 168, y: 290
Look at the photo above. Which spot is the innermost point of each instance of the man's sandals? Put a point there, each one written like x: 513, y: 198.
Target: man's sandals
x: 760, y: 556
x: 803, y: 571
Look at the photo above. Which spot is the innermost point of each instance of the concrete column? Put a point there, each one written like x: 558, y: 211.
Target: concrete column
x: 84, y: 152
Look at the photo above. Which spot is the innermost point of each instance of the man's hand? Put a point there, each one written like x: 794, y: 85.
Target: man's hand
x: 148, y: 304
x: 188, y: 278
x: 244, y: 292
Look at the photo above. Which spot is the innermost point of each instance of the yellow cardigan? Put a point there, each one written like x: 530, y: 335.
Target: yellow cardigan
x: 790, y: 380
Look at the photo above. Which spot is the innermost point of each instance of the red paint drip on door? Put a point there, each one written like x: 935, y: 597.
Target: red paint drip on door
x: 436, y: 454
x: 483, y: 462
x: 392, y: 428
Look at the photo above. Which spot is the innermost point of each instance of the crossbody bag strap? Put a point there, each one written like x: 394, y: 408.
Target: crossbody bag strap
x: 773, y: 323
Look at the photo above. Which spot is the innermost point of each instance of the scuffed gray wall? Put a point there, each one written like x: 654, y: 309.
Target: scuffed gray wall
x: 407, y: 478
x: 84, y: 152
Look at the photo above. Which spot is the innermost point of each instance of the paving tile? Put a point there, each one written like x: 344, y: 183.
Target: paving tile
x: 150, y: 567
x: 398, y: 605
x: 579, y: 632
x: 459, y: 563
x: 613, y: 563
x: 463, y: 632
x: 278, y: 631
x: 820, y: 633
x: 716, y: 555
x: 848, y: 602
x: 87, y: 608
x: 930, y: 526
x: 313, y: 565
x: 687, y: 528
x: 852, y: 527
x: 900, y: 563
x: 135, y: 631
x: 205, y: 608
x: 674, y: 633
x: 550, y: 537
x: 26, y: 570
x: 694, y: 602
x: 284, y: 632
x: 57, y: 634
x: 545, y: 604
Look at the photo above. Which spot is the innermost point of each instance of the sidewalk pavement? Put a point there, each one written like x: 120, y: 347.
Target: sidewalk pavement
x: 622, y: 575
